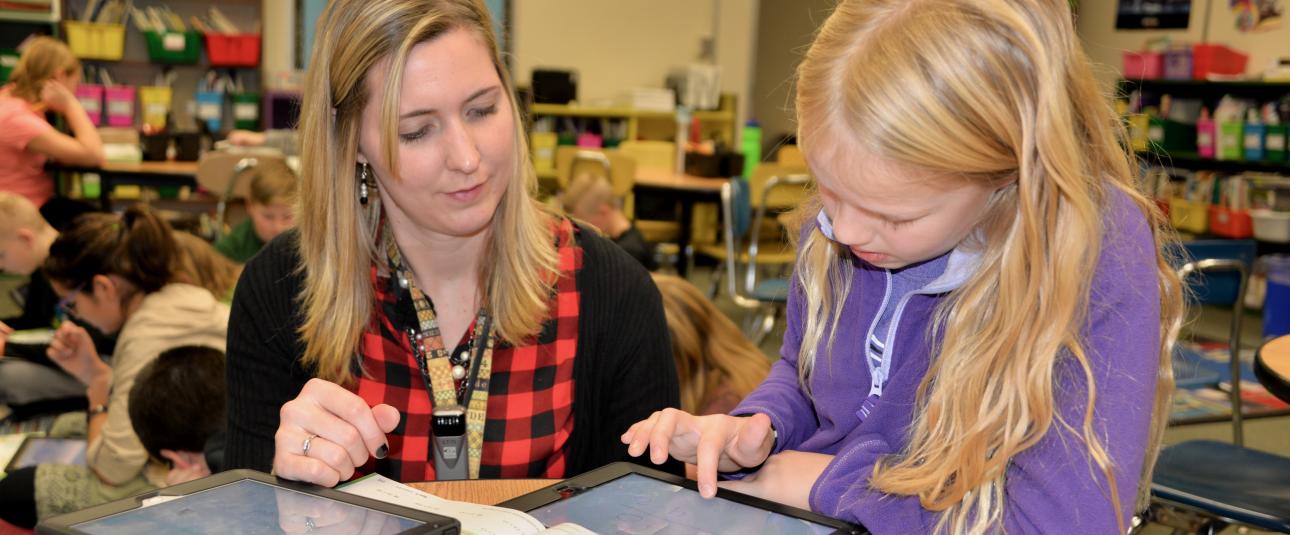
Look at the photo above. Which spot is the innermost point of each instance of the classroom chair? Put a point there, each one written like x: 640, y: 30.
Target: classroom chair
x: 222, y: 173
x: 788, y: 192
x: 765, y: 298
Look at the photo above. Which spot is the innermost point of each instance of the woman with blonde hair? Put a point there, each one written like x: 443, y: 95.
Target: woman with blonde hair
x: 981, y: 318
x: 717, y: 364
x: 44, y: 79
x: 425, y: 279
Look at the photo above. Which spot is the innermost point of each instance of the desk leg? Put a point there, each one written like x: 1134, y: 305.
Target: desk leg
x: 683, y: 241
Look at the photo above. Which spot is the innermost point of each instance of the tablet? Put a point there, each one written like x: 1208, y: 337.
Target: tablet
x: 43, y: 450
x: 245, y: 501
x: 31, y: 337
x: 631, y: 499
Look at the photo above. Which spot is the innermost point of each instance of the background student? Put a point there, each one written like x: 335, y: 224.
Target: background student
x: 44, y: 80
x: 590, y: 198
x: 177, y: 407
x: 980, y: 323
x: 117, y: 273
x: 268, y: 208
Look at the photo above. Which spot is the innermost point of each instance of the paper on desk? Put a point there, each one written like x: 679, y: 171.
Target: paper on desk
x: 475, y: 519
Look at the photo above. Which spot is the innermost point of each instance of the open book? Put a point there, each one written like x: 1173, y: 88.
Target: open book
x: 475, y: 519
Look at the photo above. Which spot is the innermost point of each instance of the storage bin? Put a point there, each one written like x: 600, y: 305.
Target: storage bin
x: 210, y: 108
x: 1188, y: 215
x: 91, y: 99
x: 119, y: 101
x: 91, y: 40
x: 1253, y: 141
x: 1171, y: 136
x: 1178, y: 64
x: 1230, y: 223
x: 246, y: 111
x: 1231, y: 141
x: 1139, y: 124
x: 8, y: 60
x: 1275, y: 148
x: 588, y: 140
x: 233, y: 50
x: 543, y: 146
x: 175, y: 48
x: 1271, y: 225
x: 1143, y: 65
x: 1276, y: 306
x: 155, y: 101
x: 1217, y: 59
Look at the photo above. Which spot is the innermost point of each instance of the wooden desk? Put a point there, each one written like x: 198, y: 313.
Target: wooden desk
x: 483, y: 491
x: 1272, y: 366
x: 686, y: 190
x: 141, y: 173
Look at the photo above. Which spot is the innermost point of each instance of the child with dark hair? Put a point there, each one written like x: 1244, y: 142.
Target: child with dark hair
x: 177, y: 405
x: 122, y: 275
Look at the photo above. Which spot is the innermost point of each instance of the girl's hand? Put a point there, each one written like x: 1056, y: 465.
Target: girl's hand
x: 73, y: 350
x: 341, y: 429
x: 787, y: 478
x: 713, y: 443
x: 56, y: 97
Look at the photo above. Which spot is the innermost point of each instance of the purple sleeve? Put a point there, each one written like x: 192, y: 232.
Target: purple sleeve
x: 1054, y: 486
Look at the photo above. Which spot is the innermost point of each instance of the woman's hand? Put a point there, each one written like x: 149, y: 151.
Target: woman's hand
x: 341, y: 429
x: 56, y: 97
x: 73, y: 350
x: 787, y: 478
x: 713, y: 443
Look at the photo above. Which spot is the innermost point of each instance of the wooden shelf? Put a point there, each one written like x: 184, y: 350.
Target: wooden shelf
x: 41, y: 17
x: 1203, y: 89
x: 1186, y: 160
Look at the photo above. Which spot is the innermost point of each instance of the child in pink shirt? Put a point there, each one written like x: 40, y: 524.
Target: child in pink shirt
x: 44, y: 79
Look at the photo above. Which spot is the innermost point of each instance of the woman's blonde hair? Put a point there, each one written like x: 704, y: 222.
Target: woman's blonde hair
x: 338, y: 235
x: 708, y: 348
x: 1000, y: 92
x: 42, y: 59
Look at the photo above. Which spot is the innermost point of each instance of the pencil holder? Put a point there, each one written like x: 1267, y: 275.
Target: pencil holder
x: 246, y: 111
x: 156, y: 105
x: 119, y: 101
x: 91, y: 99
x: 210, y: 108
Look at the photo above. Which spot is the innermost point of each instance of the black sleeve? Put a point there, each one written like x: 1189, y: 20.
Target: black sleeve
x: 38, y: 306
x: 263, y: 351
x: 623, y: 368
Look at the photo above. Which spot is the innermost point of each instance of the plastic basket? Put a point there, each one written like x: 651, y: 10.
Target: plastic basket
x: 91, y: 99
x: 8, y: 60
x: 1275, y: 148
x: 1252, y: 140
x: 1143, y: 65
x: 119, y: 103
x: 176, y: 48
x: 1177, y: 64
x: 210, y: 108
x: 1270, y: 225
x: 1231, y: 141
x: 95, y: 41
x: 543, y: 146
x: 155, y: 101
x: 1229, y: 223
x: 246, y: 111
x: 1171, y: 136
x: 233, y: 50
x: 1217, y: 59
x: 1188, y: 215
x: 1276, y: 307
x: 1139, y: 124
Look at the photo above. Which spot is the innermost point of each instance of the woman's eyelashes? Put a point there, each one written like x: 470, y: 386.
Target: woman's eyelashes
x: 472, y: 114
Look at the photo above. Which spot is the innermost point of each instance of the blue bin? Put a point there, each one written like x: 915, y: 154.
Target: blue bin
x: 1218, y: 289
x: 210, y: 108
x: 1276, y: 307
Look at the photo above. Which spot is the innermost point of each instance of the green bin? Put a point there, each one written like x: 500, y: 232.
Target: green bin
x: 246, y: 111
x: 8, y: 60
x: 175, y: 48
x: 1169, y: 136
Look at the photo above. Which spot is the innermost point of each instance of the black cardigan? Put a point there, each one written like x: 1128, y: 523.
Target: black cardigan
x: 623, y: 368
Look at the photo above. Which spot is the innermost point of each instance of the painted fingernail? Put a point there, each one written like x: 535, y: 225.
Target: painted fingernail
x: 382, y: 451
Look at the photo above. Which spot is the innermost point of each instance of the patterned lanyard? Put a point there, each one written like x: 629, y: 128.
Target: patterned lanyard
x: 435, y: 365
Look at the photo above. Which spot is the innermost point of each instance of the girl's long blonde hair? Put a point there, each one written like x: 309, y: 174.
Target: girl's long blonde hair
x: 41, y: 60
x: 338, y: 235
x: 997, y: 91
x: 709, y: 349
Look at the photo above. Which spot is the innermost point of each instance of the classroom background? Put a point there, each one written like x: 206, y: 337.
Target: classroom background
x: 684, y: 106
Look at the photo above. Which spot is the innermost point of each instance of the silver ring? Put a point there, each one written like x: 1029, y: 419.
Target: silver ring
x: 304, y: 448
x: 309, y: 522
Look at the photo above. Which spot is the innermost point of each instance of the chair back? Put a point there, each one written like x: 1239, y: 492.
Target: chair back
x: 796, y: 186
x: 223, y: 173
x: 736, y: 212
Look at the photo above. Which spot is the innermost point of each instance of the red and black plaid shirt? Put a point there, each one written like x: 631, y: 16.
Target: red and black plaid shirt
x: 530, y: 395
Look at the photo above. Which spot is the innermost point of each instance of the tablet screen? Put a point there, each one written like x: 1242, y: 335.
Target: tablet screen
x: 251, y: 507
x: 39, y: 450
x: 635, y: 504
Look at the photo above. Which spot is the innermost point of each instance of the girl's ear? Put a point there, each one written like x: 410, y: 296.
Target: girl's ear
x: 102, y: 286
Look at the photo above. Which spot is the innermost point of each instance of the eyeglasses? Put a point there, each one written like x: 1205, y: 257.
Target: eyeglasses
x: 67, y: 305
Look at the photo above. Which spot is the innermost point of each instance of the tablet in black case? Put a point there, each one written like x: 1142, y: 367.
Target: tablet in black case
x: 628, y: 498
x: 246, y: 501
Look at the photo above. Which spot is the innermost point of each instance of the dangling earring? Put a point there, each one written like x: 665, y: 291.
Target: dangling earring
x: 362, y: 185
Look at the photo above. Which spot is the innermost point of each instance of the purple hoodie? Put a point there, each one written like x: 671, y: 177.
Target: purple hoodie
x: 1053, y: 487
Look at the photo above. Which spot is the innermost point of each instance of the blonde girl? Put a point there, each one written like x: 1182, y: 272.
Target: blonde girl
x: 425, y: 276
x: 981, y: 320
x: 44, y: 79
x: 717, y: 364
